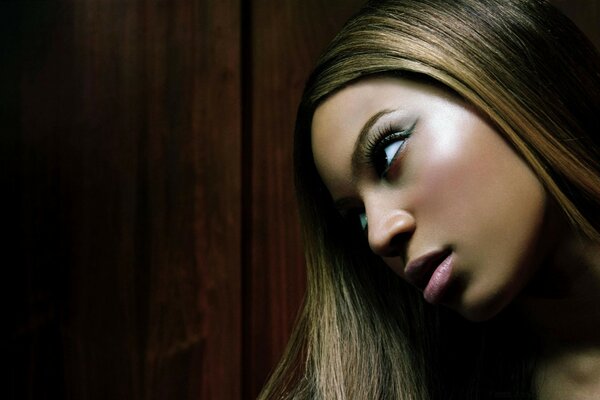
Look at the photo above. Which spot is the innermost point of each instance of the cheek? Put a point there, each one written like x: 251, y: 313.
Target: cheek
x: 478, y: 190
x: 450, y: 181
x: 486, y: 204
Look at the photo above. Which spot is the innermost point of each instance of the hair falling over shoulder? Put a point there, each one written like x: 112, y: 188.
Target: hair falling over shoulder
x: 365, y: 334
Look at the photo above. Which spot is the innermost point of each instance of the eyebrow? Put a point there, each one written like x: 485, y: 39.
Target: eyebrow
x: 363, y: 139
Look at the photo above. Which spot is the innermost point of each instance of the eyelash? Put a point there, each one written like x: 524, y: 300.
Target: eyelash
x: 375, y: 148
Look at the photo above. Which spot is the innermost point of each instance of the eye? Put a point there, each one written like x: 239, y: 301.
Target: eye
x: 385, y: 148
x: 356, y: 218
x: 391, y: 150
x: 386, y: 151
x: 362, y: 219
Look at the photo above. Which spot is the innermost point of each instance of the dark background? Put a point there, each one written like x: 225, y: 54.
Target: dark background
x: 152, y: 246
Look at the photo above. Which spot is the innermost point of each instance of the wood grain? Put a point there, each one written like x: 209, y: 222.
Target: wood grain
x: 161, y: 85
x: 131, y: 173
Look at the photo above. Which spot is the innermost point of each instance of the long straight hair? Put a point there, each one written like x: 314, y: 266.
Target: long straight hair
x: 365, y: 334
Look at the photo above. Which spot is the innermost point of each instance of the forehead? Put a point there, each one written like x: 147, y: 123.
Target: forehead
x: 352, y: 106
x: 355, y: 104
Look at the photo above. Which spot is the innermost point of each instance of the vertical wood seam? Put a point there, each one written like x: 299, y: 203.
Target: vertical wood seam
x: 246, y: 198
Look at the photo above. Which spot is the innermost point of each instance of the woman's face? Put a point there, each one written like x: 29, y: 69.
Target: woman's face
x: 446, y: 203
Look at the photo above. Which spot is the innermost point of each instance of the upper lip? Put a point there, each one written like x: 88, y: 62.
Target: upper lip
x: 418, y: 271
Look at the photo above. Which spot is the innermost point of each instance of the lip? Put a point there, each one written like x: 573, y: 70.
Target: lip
x: 431, y: 273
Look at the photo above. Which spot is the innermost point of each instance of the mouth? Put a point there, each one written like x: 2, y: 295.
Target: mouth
x: 431, y: 274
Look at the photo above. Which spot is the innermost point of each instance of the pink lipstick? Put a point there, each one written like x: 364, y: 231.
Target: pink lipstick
x: 431, y: 273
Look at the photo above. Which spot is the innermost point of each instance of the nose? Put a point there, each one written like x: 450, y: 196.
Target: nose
x: 389, y: 230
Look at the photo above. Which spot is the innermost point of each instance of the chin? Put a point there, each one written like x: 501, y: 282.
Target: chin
x: 482, y: 309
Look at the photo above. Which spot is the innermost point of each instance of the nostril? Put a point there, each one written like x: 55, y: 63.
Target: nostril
x: 397, y: 245
x: 389, y: 245
x: 389, y: 230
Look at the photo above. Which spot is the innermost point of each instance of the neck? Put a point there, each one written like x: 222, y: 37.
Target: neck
x: 563, y: 307
x: 563, y: 304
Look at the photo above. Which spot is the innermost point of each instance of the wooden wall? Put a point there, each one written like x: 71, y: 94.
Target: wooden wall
x: 146, y: 146
x: 151, y: 196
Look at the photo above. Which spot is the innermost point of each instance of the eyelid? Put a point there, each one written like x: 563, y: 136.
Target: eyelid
x: 382, y: 137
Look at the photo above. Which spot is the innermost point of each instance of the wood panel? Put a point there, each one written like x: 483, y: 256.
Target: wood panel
x: 286, y: 37
x: 130, y: 137
x: 35, y: 257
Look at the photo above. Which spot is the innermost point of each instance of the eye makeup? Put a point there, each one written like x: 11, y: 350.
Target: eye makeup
x: 385, y: 145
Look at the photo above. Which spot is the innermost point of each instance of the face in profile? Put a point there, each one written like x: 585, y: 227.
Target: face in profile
x: 440, y: 195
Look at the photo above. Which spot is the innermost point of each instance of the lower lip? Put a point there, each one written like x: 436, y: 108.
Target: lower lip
x: 439, y: 281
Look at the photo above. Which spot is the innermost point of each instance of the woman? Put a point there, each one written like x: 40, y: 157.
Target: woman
x: 448, y: 180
